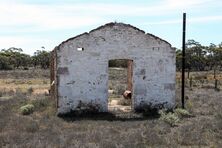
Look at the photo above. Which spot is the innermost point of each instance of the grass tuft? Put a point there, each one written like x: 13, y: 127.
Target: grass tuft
x: 27, y: 109
x: 182, y: 112
x: 171, y: 118
x: 40, y: 104
x: 30, y: 90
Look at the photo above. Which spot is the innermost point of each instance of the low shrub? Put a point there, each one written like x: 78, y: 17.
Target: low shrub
x: 189, y: 105
x: 120, y: 89
x: 30, y: 90
x: 40, y: 104
x: 31, y: 126
x: 171, y: 118
x: 27, y: 109
x: 182, y: 112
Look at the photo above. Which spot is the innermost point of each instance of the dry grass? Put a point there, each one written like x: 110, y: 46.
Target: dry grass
x: 43, y: 128
x: 203, y: 79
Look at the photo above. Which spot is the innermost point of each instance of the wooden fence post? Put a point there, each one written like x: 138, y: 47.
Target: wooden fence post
x: 191, y: 82
x: 216, y: 84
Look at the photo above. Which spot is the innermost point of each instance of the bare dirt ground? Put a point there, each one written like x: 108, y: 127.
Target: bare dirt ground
x: 43, y: 128
x: 114, y: 105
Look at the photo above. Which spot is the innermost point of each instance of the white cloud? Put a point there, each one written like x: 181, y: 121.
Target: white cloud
x: 185, y: 3
x: 205, y: 19
x: 162, y: 7
x: 39, y: 17
x: 28, y: 44
x: 30, y: 18
x: 189, y: 20
x: 48, y: 17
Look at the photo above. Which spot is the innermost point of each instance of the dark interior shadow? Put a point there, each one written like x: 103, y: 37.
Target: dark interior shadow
x: 109, y: 116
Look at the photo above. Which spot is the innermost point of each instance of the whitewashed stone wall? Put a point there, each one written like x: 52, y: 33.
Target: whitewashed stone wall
x: 82, y: 76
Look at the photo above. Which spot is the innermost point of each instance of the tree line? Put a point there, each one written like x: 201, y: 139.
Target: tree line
x: 14, y: 58
x: 198, y: 58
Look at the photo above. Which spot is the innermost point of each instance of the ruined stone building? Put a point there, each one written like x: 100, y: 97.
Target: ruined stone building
x: 79, y: 70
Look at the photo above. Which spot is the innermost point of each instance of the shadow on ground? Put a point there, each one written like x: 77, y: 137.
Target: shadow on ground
x: 109, y: 116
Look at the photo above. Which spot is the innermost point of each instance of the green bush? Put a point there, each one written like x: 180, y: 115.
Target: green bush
x: 118, y: 63
x: 189, y: 105
x: 40, y: 104
x: 171, y: 118
x: 27, y: 109
x: 5, y: 63
x: 182, y: 112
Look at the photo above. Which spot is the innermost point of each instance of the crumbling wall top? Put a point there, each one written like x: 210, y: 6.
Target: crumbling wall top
x: 111, y: 24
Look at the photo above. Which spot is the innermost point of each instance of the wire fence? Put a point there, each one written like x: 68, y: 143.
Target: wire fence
x: 201, y: 80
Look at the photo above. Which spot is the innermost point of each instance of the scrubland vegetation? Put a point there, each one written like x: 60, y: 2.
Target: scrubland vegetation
x: 200, y: 125
x: 14, y: 58
x: 28, y: 114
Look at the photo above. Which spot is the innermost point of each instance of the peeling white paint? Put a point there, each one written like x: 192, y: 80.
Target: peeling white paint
x: 82, y: 76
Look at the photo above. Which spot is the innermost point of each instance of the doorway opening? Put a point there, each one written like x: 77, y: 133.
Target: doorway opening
x: 120, y: 85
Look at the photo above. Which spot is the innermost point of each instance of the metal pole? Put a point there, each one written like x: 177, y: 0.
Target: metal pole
x: 183, y: 58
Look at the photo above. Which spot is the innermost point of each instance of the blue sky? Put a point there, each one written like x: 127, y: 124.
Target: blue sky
x: 31, y: 24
